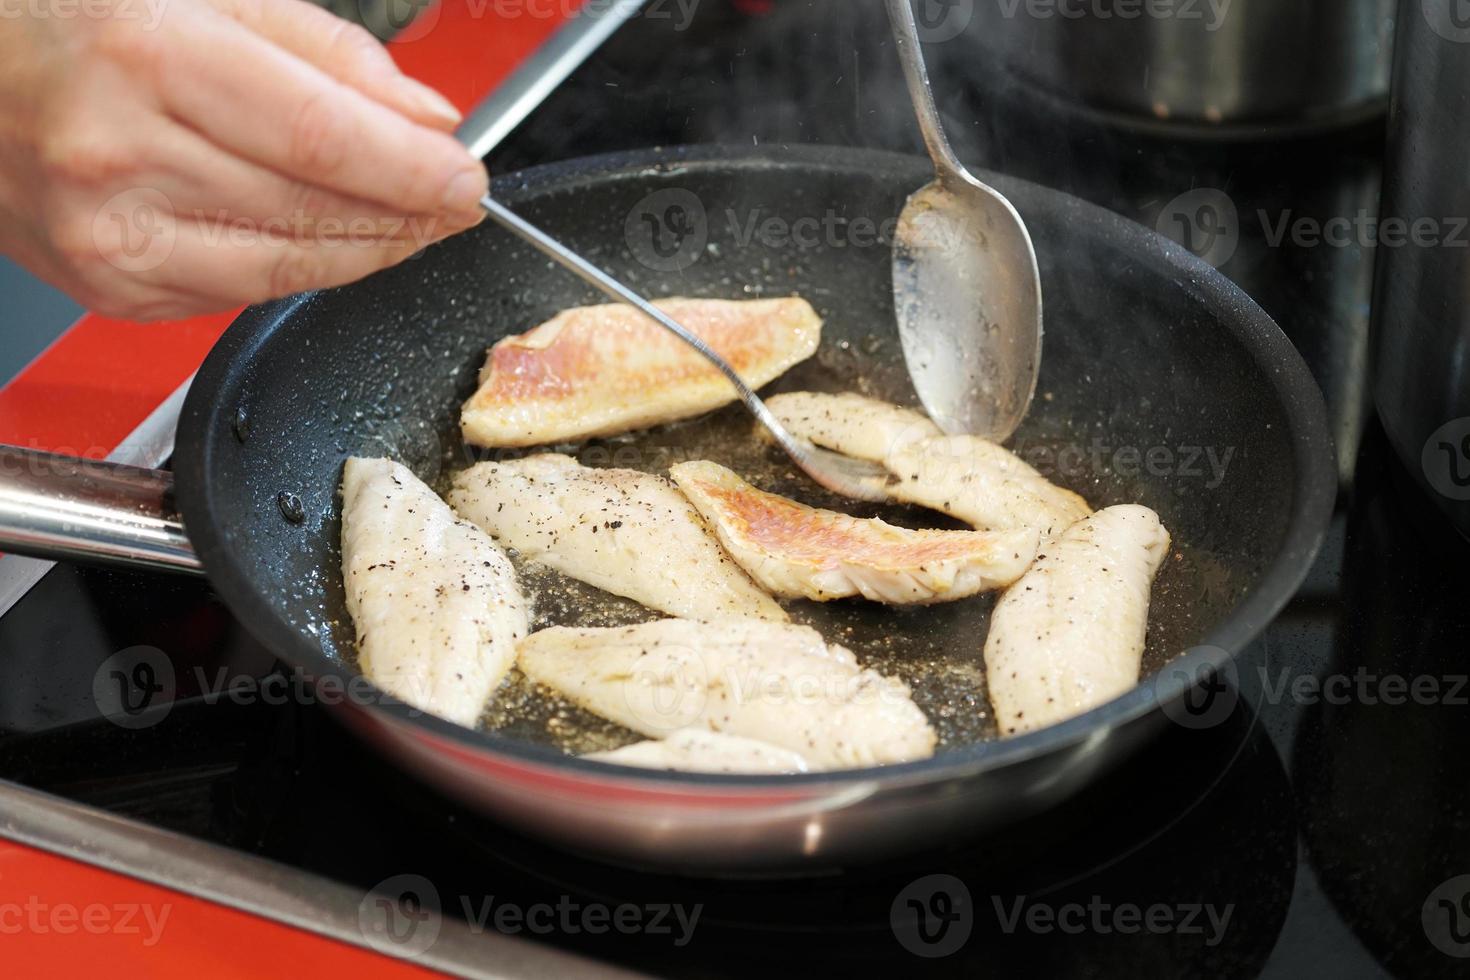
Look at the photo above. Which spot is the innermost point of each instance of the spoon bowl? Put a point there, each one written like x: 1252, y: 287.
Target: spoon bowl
x: 966, y: 286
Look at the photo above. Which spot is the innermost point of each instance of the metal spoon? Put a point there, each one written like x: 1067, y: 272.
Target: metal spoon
x: 966, y: 288
x: 840, y: 474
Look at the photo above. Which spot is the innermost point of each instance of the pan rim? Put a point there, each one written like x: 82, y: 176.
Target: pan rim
x: 1278, y: 360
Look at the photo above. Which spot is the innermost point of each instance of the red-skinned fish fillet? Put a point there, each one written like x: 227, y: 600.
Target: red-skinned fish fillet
x: 800, y: 551
x: 600, y: 370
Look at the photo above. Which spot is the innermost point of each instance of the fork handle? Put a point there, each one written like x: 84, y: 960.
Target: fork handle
x: 819, y: 464
x: 596, y: 277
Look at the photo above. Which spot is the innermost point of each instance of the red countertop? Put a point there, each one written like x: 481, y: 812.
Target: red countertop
x: 84, y: 395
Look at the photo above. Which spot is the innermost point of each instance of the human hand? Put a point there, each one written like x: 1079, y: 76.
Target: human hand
x: 162, y: 161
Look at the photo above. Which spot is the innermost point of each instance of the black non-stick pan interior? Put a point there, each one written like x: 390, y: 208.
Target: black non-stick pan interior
x: 1156, y: 388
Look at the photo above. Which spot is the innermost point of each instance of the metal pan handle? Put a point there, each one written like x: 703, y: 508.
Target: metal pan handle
x: 70, y: 509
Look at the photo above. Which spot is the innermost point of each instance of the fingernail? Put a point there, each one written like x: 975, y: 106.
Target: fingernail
x: 465, y: 222
x: 430, y: 102
x: 463, y: 194
x: 461, y: 222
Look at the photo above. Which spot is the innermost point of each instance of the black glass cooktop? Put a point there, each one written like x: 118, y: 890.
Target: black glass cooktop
x: 1319, y: 823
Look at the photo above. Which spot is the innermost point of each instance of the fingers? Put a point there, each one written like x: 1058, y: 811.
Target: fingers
x: 346, y: 52
x: 258, y: 101
x: 243, y: 234
x: 250, y: 268
x: 164, y: 265
x: 248, y: 156
x: 212, y: 187
x: 191, y: 228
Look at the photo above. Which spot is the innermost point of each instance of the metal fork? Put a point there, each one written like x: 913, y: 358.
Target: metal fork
x: 850, y: 477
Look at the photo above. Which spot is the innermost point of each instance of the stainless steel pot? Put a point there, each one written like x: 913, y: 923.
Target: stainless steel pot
x: 1214, y: 65
x: 1421, y: 318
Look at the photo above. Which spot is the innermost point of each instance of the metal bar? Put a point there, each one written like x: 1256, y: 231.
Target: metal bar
x: 529, y: 85
x: 71, y: 509
x: 262, y: 887
x: 149, y: 445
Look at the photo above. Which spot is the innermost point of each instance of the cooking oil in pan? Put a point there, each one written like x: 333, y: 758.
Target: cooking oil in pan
x: 937, y: 650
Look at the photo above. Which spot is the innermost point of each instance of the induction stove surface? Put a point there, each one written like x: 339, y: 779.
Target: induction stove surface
x: 1316, y: 822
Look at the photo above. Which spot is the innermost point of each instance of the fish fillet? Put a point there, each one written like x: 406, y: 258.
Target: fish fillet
x: 629, y: 533
x: 1070, y: 634
x: 982, y: 484
x: 699, y: 750
x: 800, y: 551
x: 777, y: 683
x: 600, y: 370
x: 966, y: 477
x: 852, y: 424
x: 435, y: 603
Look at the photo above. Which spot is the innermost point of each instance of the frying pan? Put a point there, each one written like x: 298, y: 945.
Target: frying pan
x: 1153, y: 363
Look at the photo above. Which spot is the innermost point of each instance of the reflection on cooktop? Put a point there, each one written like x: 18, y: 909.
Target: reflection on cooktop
x: 1159, y: 839
x: 1386, y: 806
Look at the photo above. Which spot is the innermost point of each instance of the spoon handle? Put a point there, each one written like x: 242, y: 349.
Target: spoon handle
x: 911, y: 56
